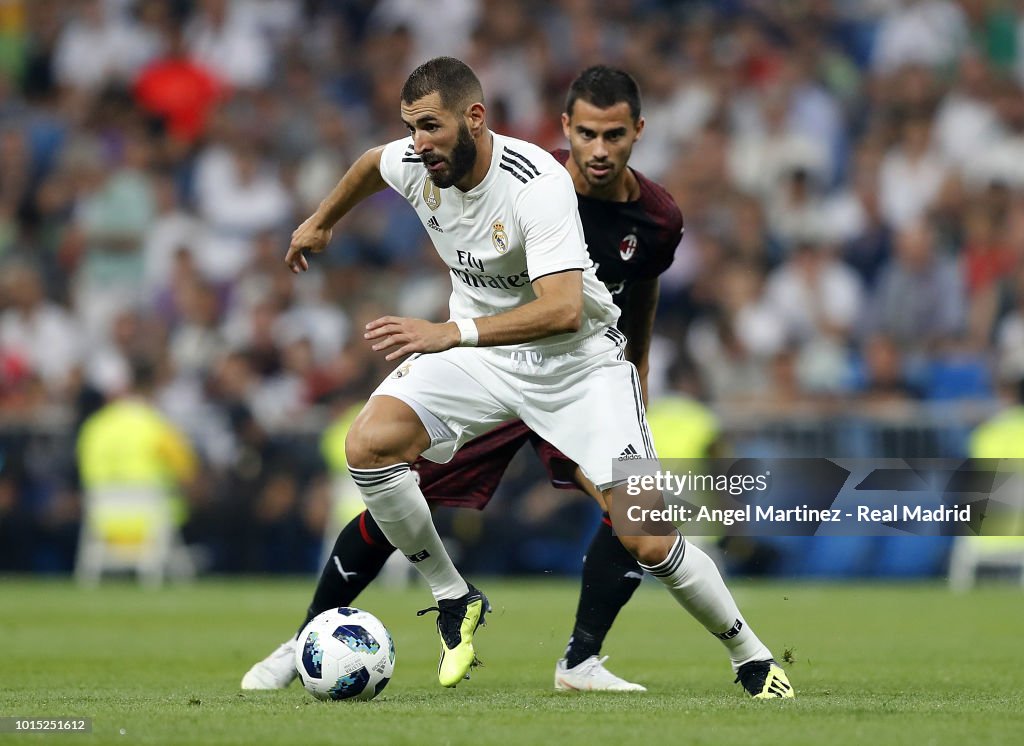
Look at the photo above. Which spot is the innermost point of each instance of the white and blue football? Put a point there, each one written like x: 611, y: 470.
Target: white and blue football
x: 345, y: 653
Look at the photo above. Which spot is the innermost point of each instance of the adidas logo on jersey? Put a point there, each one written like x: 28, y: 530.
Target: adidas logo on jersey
x: 629, y: 454
x: 434, y: 225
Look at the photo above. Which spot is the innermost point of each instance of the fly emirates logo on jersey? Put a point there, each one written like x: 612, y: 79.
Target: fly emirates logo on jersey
x: 472, y: 273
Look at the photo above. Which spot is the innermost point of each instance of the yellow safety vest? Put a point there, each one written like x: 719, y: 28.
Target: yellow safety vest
x: 347, y: 501
x: 1001, y: 437
x: 128, y: 443
x: 682, y: 427
x: 332, y: 442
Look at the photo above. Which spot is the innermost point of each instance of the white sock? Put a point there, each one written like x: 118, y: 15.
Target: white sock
x: 399, y: 508
x: 694, y: 581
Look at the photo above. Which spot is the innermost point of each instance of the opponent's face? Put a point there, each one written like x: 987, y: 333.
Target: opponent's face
x: 442, y: 139
x: 601, y: 141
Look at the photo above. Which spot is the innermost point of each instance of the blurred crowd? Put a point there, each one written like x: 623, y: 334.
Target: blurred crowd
x: 851, y: 175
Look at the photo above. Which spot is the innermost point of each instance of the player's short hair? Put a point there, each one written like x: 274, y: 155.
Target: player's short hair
x: 603, y: 87
x: 453, y: 79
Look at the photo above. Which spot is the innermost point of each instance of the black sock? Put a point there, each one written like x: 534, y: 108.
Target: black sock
x: 359, y: 553
x: 610, y: 575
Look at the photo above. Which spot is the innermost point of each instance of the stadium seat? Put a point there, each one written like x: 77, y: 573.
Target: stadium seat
x: 131, y: 528
x: 957, y: 378
x: 907, y: 557
x: 974, y: 553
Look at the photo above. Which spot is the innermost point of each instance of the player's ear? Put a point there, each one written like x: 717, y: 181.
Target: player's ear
x: 565, y: 125
x: 475, y: 119
x: 639, y: 128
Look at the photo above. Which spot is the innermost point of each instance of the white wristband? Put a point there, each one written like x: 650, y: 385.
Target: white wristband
x: 469, y: 332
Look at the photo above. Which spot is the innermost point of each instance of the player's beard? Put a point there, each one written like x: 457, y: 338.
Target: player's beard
x: 460, y: 161
x: 607, y: 179
x: 603, y: 180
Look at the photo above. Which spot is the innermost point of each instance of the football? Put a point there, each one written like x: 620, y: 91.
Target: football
x: 345, y: 653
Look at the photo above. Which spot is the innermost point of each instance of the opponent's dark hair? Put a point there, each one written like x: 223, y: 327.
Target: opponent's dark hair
x: 453, y: 79
x: 603, y: 87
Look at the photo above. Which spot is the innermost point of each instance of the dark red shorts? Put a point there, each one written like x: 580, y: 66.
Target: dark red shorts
x: 471, y: 477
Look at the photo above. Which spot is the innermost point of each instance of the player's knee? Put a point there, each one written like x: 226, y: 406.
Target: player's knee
x: 377, y: 439
x: 647, y: 550
x: 367, y: 447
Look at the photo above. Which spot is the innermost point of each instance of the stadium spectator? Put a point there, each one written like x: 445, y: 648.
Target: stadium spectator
x: 924, y: 32
x: 819, y: 300
x: 795, y: 208
x: 96, y: 48
x: 967, y: 120
x: 445, y: 30
x: 240, y: 194
x: 173, y: 230
x: 999, y: 162
x: 733, y: 345
x: 131, y: 336
x: 16, y: 184
x: 196, y: 341
x: 1009, y: 331
x: 225, y: 41
x: 815, y: 294
x: 111, y: 218
x: 919, y: 298
x: 854, y: 215
x: 911, y: 174
x: 177, y: 90
x: 766, y: 147
x: 885, y: 381
x: 38, y: 336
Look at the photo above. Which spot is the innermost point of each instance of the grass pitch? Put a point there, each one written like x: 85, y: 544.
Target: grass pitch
x: 896, y: 664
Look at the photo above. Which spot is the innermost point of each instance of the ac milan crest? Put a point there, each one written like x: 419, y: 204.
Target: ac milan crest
x: 627, y: 247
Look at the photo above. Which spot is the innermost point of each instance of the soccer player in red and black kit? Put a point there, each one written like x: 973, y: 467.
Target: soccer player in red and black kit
x: 632, y: 228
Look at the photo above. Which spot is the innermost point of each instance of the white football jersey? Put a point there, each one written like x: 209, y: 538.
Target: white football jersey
x: 517, y: 225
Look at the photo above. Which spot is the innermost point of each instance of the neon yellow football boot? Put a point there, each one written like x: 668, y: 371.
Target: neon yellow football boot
x: 765, y: 680
x: 457, y: 620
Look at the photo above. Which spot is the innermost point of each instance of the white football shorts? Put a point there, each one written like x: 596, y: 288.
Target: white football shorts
x: 584, y: 400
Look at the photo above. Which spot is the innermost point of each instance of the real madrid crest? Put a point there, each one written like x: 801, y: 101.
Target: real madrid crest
x: 431, y: 194
x: 499, y: 237
x: 402, y: 370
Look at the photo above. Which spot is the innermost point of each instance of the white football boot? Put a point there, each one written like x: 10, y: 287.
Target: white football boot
x: 591, y: 676
x: 276, y: 671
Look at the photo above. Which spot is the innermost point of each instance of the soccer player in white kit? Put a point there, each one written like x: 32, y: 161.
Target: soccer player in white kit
x: 531, y: 336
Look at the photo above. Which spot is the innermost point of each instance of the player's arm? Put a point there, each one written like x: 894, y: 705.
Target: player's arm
x: 361, y: 180
x: 637, y: 323
x: 558, y: 309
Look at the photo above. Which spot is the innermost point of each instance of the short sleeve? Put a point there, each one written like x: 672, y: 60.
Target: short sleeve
x: 664, y: 255
x: 669, y: 219
x: 549, y: 218
x: 395, y: 162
